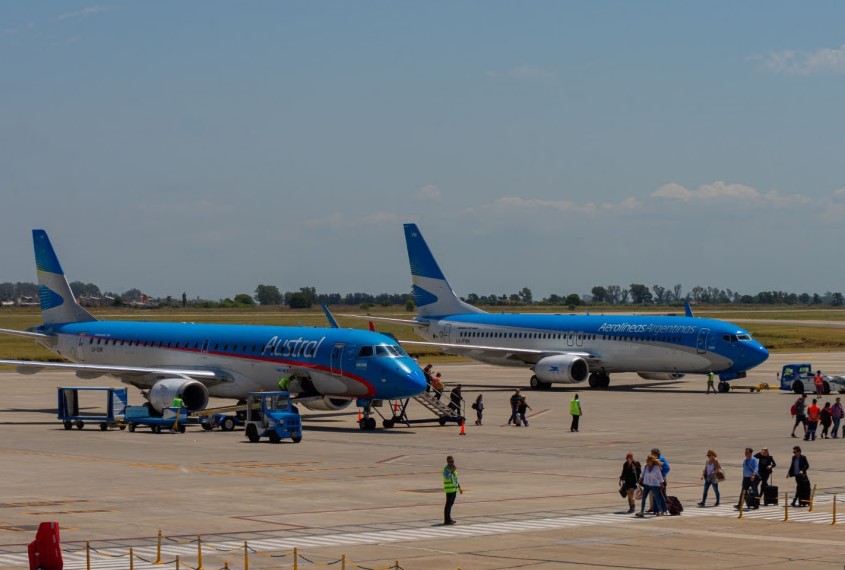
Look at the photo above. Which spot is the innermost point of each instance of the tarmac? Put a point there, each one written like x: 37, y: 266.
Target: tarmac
x: 538, y: 497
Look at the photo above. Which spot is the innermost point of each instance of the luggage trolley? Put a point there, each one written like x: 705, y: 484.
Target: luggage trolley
x: 69, y: 407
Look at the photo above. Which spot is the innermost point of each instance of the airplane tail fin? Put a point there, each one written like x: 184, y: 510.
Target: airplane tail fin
x: 58, y: 304
x: 432, y: 293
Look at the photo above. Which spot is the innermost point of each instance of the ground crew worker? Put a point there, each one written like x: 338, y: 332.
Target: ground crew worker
x: 177, y: 404
x: 285, y: 382
x: 818, y: 380
x: 451, y: 487
x: 710, y: 382
x: 576, y: 412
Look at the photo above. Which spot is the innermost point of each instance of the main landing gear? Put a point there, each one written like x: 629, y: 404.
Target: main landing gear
x: 367, y: 422
x: 599, y: 380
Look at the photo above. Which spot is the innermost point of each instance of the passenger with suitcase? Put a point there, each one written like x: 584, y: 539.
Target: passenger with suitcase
x: 765, y: 463
x: 798, y: 469
x: 651, y: 481
x: 750, y: 480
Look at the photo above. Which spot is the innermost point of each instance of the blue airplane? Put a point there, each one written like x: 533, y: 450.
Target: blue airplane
x: 330, y: 367
x: 569, y: 349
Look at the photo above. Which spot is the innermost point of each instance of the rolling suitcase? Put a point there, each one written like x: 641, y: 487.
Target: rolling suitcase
x: 770, y: 495
x: 752, y: 501
x: 674, y: 506
x: 803, y: 489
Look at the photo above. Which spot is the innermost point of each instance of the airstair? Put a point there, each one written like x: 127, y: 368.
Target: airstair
x: 442, y: 412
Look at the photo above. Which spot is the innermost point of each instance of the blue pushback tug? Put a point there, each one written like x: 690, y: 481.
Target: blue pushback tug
x: 271, y: 415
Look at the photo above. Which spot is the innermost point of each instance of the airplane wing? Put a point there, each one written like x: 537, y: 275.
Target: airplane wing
x: 527, y: 355
x: 92, y: 370
x: 411, y: 322
x: 27, y: 334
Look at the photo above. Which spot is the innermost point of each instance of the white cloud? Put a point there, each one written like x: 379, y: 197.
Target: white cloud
x: 515, y: 203
x: 789, y: 62
x: 85, y: 12
x: 429, y: 192
x: 721, y: 192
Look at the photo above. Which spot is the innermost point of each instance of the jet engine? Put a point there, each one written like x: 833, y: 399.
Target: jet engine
x: 660, y: 375
x: 562, y: 368
x: 194, y: 394
x: 327, y: 403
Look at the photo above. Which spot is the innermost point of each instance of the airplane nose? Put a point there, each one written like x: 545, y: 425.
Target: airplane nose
x: 416, y: 381
x: 758, y: 355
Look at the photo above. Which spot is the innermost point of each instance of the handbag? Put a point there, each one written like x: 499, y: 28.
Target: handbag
x: 623, y: 490
x: 638, y: 494
x: 720, y: 475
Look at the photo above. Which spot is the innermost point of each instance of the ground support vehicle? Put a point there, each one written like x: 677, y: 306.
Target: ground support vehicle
x: 168, y: 420
x: 69, y: 409
x: 271, y: 415
x: 798, y: 378
x: 226, y: 422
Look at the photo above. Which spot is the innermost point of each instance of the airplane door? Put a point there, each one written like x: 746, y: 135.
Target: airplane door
x: 447, y: 332
x: 80, y: 348
x: 579, y: 340
x: 336, y: 360
x: 701, y: 345
x: 569, y: 339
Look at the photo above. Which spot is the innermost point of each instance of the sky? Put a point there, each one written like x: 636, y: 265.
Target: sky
x: 209, y: 147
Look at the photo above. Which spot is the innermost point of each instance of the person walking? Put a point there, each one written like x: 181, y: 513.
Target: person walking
x: 818, y: 381
x: 451, y: 487
x: 576, y: 412
x: 437, y: 385
x: 629, y: 479
x: 812, y: 421
x: 522, y: 409
x: 664, y: 472
x: 651, y: 481
x: 798, y: 469
x: 765, y: 465
x: 750, y: 479
x: 710, y: 380
x: 826, y: 418
x: 800, y: 407
x: 515, y: 398
x: 478, y: 406
x: 836, y: 413
x: 710, y: 475
x: 456, y: 400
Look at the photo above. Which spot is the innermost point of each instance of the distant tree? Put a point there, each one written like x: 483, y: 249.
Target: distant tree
x: 268, y: 295
x: 81, y: 289
x: 410, y: 306
x: 7, y: 291
x: 640, y: 295
x: 613, y: 294
x: 298, y: 301
x: 659, y: 294
x: 572, y: 300
x: 185, y: 300
x: 132, y: 295
x: 837, y: 299
x: 526, y: 296
x: 243, y: 300
x: 553, y: 299
x: 599, y: 294
x: 676, y: 291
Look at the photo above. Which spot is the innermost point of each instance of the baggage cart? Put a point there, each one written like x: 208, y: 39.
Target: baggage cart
x: 76, y: 405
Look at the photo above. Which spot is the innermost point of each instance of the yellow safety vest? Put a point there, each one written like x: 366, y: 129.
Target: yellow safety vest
x: 450, y: 480
x: 575, y: 407
x: 177, y: 403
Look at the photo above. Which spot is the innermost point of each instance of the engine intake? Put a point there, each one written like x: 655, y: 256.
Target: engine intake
x: 194, y: 394
x: 562, y: 369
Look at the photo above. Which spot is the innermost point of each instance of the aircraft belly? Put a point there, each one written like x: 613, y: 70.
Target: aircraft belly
x: 660, y: 359
x: 327, y: 383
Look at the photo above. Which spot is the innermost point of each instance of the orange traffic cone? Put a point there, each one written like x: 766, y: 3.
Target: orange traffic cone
x: 395, y: 406
x: 463, y: 431
x: 359, y: 414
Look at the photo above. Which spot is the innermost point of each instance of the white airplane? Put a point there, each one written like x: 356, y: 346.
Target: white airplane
x: 331, y: 366
x: 570, y: 349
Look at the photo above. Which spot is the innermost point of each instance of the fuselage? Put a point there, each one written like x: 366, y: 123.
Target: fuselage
x: 624, y: 343
x: 341, y: 363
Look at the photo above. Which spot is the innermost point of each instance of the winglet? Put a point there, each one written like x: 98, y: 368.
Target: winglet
x: 687, y: 308
x: 58, y: 304
x: 329, y: 317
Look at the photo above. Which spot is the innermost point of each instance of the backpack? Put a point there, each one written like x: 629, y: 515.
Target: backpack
x: 475, y: 405
x: 793, y: 410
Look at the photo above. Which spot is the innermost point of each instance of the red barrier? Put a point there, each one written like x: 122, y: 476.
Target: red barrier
x: 45, y: 552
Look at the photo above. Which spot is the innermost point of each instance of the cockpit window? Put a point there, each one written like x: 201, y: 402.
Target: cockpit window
x: 366, y: 351
x: 743, y: 336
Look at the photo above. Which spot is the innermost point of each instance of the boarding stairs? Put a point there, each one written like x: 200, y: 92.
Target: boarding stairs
x: 441, y: 410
